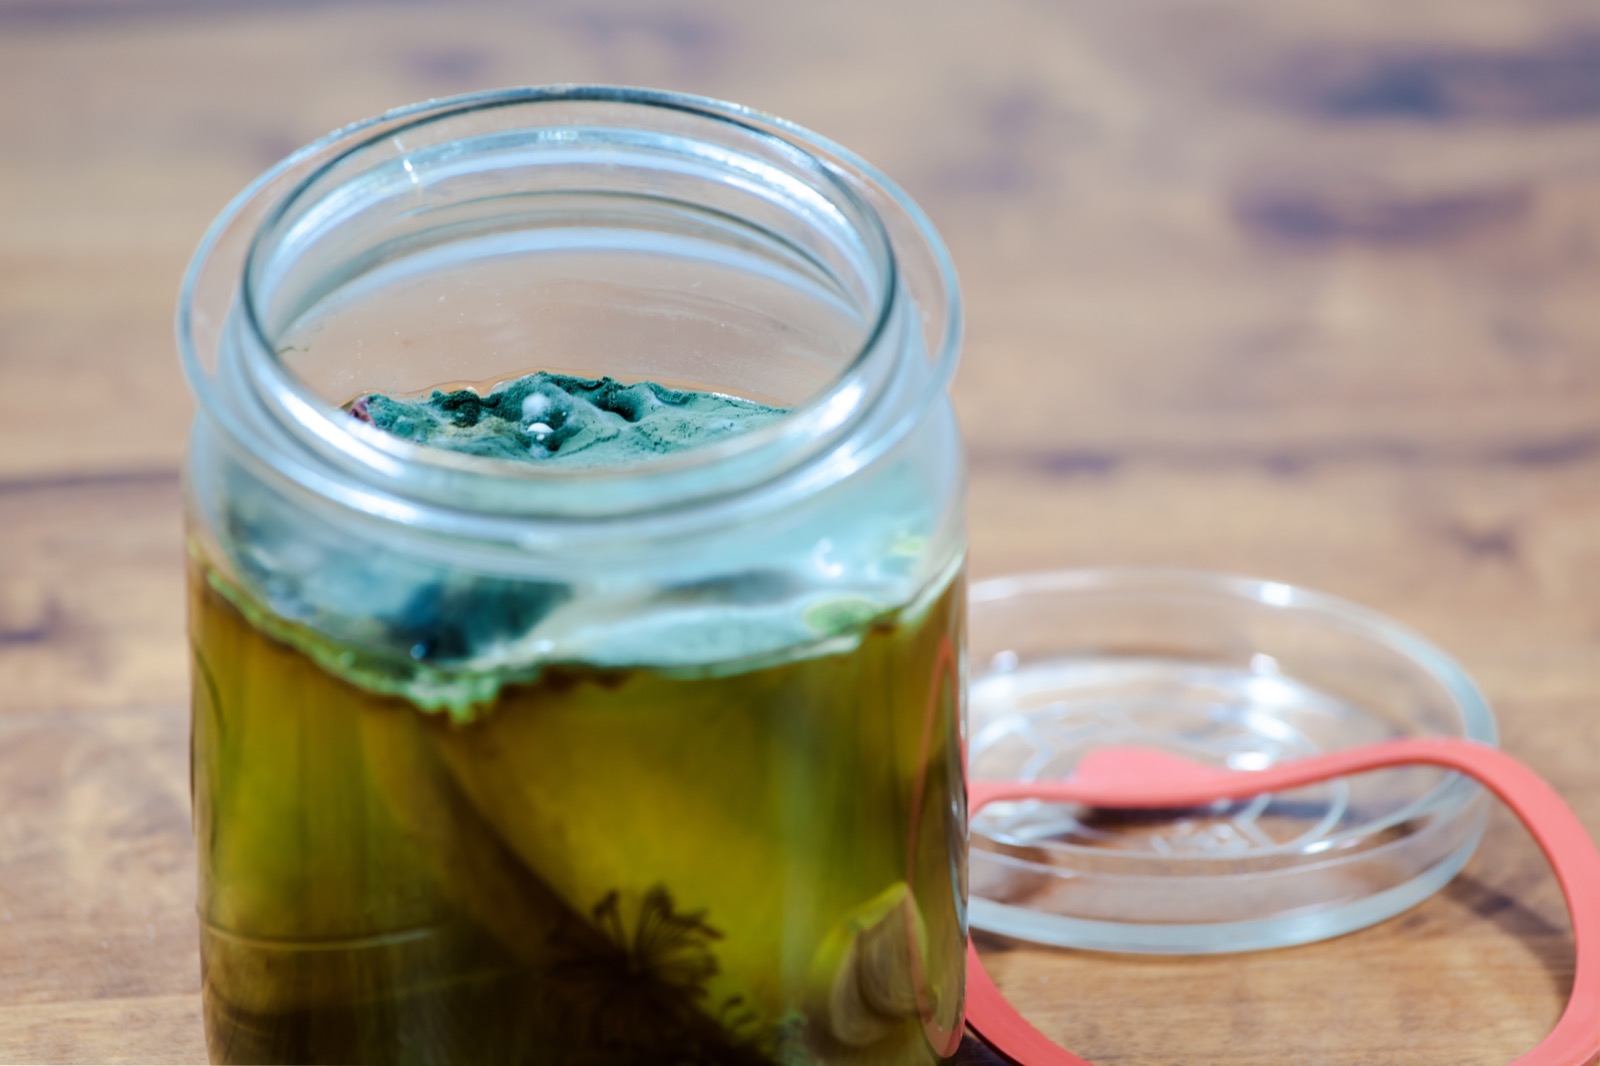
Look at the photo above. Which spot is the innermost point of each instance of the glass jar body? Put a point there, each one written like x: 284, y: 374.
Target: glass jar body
x: 504, y: 781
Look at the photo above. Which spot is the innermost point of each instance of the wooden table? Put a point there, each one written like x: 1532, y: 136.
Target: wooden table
x: 1307, y: 291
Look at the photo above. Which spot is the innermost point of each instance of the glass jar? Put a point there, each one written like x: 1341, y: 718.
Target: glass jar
x: 496, y: 761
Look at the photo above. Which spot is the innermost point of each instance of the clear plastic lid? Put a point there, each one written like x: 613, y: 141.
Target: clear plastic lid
x: 1237, y: 673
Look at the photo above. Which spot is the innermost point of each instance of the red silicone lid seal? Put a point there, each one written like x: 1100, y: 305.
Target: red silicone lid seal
x: 1136, y: 778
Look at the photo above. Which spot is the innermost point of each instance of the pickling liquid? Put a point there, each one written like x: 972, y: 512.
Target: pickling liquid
x: 602, y: 866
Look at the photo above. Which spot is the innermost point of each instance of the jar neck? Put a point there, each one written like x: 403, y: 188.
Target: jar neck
x: 484, y: 180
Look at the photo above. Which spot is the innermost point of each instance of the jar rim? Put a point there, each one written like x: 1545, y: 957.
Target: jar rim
x: 368, y: 451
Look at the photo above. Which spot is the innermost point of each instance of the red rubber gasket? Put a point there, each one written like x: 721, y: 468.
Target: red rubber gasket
x: 1137, y: 778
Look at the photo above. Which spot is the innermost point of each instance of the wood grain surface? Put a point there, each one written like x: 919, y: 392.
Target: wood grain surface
x: 1306, y: 291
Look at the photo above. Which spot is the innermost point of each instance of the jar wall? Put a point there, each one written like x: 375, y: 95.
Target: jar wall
x: 481, y: 776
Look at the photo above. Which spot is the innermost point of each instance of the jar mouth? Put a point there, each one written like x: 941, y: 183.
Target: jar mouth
x: 372, y: 470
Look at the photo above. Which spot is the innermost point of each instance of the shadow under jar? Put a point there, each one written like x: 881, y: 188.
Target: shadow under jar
x: 654, y: 761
